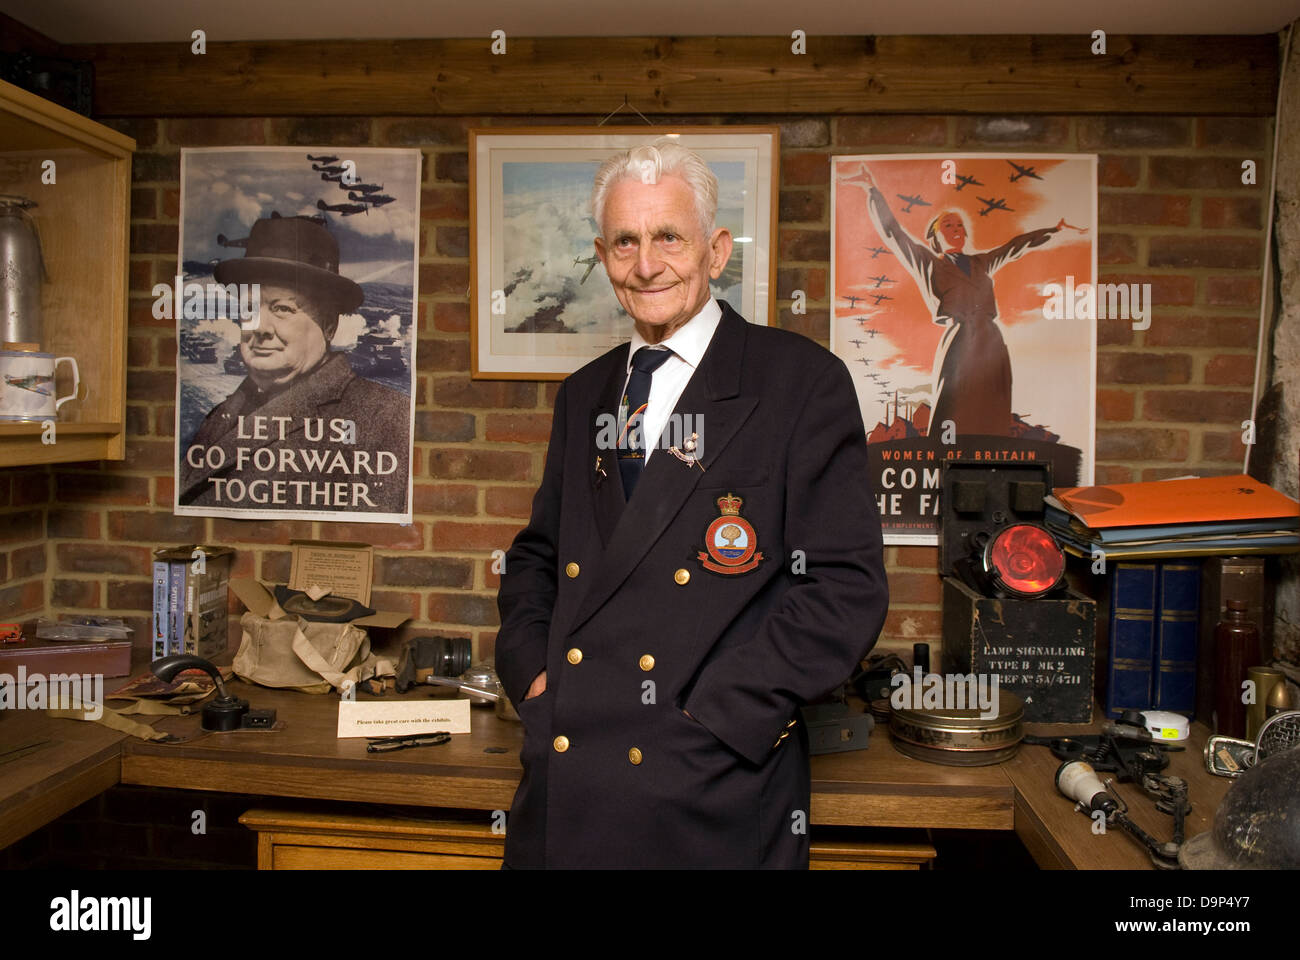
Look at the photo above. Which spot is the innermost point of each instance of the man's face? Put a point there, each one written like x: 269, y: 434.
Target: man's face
x: 953, y: 232
x: 656, y: 254
x: 287, y: 341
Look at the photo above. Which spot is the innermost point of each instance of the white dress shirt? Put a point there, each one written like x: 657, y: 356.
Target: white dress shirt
x: 688, y: 344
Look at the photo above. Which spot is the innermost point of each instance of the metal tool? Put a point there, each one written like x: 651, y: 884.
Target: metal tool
x: 1078, y: 781
x: 389, y: 744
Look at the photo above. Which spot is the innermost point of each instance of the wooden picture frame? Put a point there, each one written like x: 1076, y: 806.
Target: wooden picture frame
x: 529, y: 189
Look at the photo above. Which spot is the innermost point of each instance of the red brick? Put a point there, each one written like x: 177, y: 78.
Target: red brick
x: 167, y: 352
x: 83, y: 594
x: 65, y: 523
x: 490, y: 580
x: 389, y: 536
x: 1114, y: 406
x: 19, y: 600
x: 805, y: 169
x: 801, y: 206
x: 1243, y: 253
x: 1234, y: 370
x: 146, y: 456
x: 445, y: 498
x: 444, y: 278
x: 166, y: 421
x: 396, y: 601
x: 422, y: 132
x: 276, y: 565
x: 916, y: 558
x: 1223, y: 446
x: 143, y: 526
x: 1118, y: 171
x: 1112, y: 473
x: 139, y: 313
x: 165, y: 492
x: 443, y: 426
x: 27, y: 562
x: 549, y: 392
x: 519, y: 427
x: 914, y: 588
x: 1196, y: 406
x: 215, y: 131
x: 509, y: 501
x: 1167, y: 290
x: 1197, y: 173
x: 260, y: 531
x: 138, y: 420
x: 338, y: 132
x: 452, y: 166
x: 171, y: 203
x: 84, y: 488
x: 96, y: 558
x: 1007, y: 131
x: 1232, y: 291
x: 1129, y: 131
x: 1143, y: 367
x: 21, y: 526
x: 150, y: 385
x: 30, y: 489
x: 449, y: 464
x: 1192, y: 331
x: 154, y: 238
x: 451, y: 317
x: 140, y: 276
x: 1240, y: 213
x: 441, y: 355
x: 893, y: 130
x: 444, y: 202
x: 463, y: 608
x: 811, y: 280
x: 1144, y: 208
x: 1251, y: 133
x: 804, y: 245
x: 130, y: 595
x: 424, y: 572
x: 144, y: 203
x: 486, y: 645
x: 814, y: 324
x: 155, y: 167
x: 1130, y: 443
x: 447, y: 535
x: 463, y: 393
x: 1115, y: 248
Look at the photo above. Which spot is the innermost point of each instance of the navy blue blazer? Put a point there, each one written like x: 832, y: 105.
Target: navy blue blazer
x: 735, y: 593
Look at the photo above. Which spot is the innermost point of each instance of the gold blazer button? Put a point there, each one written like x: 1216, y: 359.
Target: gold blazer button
x: 634, y: 755
x: 682, y: 576
x: 571, y: 569
x: 647, y: 663
x: 574, y: 656
x: 561, y: 744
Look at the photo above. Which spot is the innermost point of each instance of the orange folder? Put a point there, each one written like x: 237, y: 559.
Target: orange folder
x: 1203, y: 500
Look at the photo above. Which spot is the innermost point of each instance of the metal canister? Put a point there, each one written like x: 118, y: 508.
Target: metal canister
x: 960, y: 738
x: 22, y: 272
x: 1265, y: 680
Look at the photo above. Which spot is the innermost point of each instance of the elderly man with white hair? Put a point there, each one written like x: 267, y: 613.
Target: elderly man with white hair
x: 703, y: 557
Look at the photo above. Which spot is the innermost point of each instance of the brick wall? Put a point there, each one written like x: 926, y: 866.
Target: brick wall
x: 1173, y: 213
x: 24, y: 561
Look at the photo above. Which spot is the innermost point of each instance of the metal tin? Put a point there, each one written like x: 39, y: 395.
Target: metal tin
x: 22, y: 272
x: 960, y: 738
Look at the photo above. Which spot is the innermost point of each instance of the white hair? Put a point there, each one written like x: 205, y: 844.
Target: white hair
x: 648, y: 163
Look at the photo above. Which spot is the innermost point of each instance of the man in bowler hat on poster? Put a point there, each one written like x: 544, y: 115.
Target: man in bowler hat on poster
x: 294, y: 408
x: 675, y: 598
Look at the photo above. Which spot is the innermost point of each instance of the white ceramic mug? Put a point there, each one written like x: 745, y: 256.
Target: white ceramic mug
x: 27, y: 390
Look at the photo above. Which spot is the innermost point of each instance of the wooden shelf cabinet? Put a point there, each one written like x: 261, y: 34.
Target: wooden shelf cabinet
x: 83, y: 219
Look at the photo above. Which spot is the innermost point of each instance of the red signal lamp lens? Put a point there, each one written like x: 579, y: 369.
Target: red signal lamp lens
x: 1024, y: 560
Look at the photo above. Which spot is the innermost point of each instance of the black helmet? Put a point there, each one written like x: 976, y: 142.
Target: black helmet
x: 1257, y: 826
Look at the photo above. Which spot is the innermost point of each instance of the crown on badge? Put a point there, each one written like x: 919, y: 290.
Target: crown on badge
x: 729, y: 505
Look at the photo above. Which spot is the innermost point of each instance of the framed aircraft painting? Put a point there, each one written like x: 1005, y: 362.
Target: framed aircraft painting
x: 540, y: 303
x: 964, y: 304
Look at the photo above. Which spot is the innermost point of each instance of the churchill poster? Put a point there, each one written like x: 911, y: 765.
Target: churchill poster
x: 965, y: 306
x: 295, y: 325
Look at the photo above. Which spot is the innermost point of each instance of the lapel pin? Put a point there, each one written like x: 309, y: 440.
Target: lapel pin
x: 689, y: 457
x: 600, y: 470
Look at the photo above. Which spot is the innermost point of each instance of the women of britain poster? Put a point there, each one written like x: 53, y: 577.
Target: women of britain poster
x: 295, y: 317
x: 963, y: 290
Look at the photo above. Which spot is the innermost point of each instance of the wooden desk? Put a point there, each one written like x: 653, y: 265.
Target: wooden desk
x: 1058, y: 837
x: 876, y: 787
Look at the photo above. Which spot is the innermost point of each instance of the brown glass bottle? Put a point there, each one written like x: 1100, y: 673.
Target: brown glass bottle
x: 1236, y: 644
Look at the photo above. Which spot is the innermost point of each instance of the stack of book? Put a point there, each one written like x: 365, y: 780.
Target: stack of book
x: 189, y: 600
x: 1174, y: 518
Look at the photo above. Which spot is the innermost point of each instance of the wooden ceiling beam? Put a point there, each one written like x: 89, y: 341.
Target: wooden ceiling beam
x: 731, y: 76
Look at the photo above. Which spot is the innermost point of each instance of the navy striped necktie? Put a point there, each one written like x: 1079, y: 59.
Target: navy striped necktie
x: 631, y: 449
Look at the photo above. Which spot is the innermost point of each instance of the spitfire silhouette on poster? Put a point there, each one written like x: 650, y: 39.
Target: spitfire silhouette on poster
x: 295, y: 309
x: 946, y: 274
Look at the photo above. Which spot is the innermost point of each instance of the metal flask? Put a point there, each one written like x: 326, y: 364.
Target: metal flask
x: 22, y: 271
